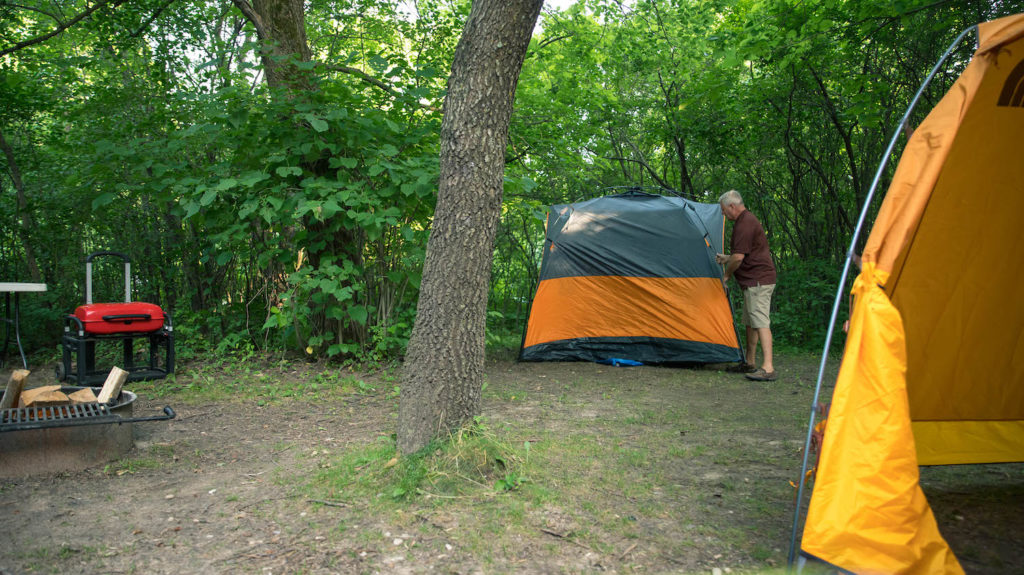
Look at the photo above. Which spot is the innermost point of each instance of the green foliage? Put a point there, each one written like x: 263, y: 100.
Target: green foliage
x: 283, y: 221
x: 259, y: 220
x: 802, y: 305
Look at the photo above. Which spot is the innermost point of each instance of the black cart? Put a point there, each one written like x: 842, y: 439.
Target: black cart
x: 106, y: 325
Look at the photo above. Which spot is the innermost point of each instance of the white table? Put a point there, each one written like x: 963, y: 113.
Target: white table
x: 15, y: 288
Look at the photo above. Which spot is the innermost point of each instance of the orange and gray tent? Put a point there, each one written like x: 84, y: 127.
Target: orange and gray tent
x: 632, y: 276
x: 933, y: 367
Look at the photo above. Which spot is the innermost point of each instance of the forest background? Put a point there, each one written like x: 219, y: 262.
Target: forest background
x: 270, y: 224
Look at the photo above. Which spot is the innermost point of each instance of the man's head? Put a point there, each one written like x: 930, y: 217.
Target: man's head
x: 732, y: 204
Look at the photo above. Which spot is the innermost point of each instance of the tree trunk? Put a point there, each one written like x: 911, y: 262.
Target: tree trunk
x: 281, y: 27
x: 26, y: 224
x: 444, y: 365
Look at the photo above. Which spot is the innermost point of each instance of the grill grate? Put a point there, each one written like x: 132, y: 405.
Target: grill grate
x: 55, y: 414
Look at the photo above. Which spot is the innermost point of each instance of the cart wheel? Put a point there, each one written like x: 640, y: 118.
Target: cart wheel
x: 60, y: 373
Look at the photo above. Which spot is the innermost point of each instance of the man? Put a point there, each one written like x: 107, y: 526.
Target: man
x: 751, y: 264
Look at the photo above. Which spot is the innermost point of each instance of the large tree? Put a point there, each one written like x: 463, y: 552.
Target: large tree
x: 281, y: 27
x: 444, y: 366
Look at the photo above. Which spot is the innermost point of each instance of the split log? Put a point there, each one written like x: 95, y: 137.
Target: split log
x: 46, y: 396
x: 14, y: 386
x: 84, y: 395
x: 112, y: 387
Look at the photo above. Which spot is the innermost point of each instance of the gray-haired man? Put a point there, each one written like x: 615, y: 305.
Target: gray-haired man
x: 750, y: 262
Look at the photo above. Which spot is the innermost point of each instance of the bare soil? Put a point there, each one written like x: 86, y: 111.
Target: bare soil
x: 646, y: 470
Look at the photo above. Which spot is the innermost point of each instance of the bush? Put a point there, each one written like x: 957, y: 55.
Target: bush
x: 802, y: 304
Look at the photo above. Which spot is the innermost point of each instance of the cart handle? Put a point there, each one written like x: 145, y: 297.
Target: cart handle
x: 128, y: 317
x: 127, y: 274
x: 94, y: 255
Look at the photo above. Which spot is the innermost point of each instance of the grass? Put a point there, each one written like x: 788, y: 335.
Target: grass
x: 228, y: 379
x: 651, y: 470
x: 133, y: 465
x: 640, y: 465
x: 473, y: 462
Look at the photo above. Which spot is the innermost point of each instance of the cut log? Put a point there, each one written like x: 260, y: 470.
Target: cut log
x: 14, y: 386
x: 112, y: 387
x: 86, y: 395
x: 45, y: 396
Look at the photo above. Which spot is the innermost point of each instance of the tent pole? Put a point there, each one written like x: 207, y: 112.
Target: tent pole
x: 725, y: 287
x: 842, y: 282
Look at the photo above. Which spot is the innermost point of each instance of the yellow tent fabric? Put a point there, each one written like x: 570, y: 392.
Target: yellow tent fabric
x: 948, y: 233
x: 933, y: 371
x: 868, y: 513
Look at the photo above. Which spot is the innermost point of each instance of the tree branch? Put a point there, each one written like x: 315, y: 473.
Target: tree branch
x: 549, y: 41
x: 34, y: 9
x: 145, y: 25
x: 59, y: 29
x: 250, y: 14
x: 646, y: 168
x: 363, y: 76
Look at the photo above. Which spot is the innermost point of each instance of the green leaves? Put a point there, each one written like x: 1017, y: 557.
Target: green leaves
x: 102, y: 200
x: 316, y: 123
x: 321, y: 203
x: 285, y: 171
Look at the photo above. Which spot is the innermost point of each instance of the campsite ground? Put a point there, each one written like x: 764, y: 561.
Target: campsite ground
x: 573, y: 468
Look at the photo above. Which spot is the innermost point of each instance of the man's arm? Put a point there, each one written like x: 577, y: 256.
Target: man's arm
x: 731, y: 262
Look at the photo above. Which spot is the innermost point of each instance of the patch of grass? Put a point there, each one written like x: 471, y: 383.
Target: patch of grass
x: 472, y: 462
x: 161, y: 450
x: 132, y: 466
x: 46, y: 557
x: 635, y: 457
x: 645, y: 417
x: 226, y: 379
x: 506, y: 394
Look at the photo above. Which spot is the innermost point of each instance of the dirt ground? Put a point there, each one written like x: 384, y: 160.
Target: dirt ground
x: 223, y: 488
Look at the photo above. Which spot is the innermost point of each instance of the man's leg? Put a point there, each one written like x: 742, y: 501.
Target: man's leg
x: 752, y: 337
x: 758, y: 300
x: 765, y: 336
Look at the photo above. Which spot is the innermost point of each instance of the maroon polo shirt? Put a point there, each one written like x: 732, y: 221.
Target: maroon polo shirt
x: 749, y: 239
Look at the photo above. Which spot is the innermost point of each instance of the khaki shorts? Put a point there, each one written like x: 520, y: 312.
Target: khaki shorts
x: 757, y: 304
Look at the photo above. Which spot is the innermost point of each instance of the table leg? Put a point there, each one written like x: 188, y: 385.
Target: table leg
x: 6, y: 320
x: 17, y: 329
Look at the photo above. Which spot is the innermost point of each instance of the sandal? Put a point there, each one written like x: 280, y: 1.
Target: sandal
x: 742, y: 367
x: 762, y: 375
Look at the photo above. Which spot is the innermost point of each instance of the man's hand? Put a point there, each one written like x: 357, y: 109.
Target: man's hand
x: 731, y: 262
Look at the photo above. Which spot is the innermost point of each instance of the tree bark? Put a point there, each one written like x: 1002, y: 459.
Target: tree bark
x: 281, y: 28
x: 444, y: 365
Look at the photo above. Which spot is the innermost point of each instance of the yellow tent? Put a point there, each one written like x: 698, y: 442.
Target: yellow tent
x: 933, y: 370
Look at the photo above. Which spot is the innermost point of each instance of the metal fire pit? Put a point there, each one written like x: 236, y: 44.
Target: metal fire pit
x: 46, y: 440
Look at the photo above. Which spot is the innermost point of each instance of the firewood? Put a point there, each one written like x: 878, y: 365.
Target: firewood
x: 14, y: 386
x: 84, y: 395
x: 112, y: 387
x: 43, y: 396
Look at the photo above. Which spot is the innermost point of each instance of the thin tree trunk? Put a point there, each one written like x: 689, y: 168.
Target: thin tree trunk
x: 444, y: 366
x: 26, y: 223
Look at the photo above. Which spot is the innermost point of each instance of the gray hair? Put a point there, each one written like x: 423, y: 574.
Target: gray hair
x: 729, y: 198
